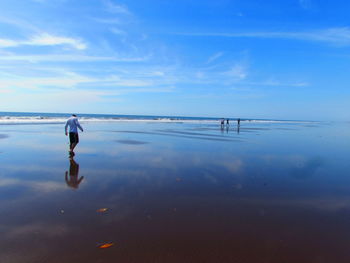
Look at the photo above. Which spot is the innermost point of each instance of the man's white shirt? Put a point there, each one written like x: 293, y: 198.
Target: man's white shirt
x: 73, y: 124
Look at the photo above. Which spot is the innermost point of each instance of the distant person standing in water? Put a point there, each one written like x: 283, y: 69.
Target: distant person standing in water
x: 73, y: 124
x: 238, y: 121
x: 227, y: 122
x: 222, y: 123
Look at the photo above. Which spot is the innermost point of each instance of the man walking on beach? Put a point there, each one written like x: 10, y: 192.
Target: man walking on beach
x: 73, y: 124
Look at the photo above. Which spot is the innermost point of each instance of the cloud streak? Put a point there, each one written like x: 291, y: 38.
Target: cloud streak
x: 237, y: 72
x: 71, y: 81
x: 44, y: 39
x: 274, y: 83
x: 70, y: 58
x: 116, y: 9
x: 214, y: 57
x: 337, y: 35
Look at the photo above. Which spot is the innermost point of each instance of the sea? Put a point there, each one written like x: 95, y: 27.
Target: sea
x: 53, y: 118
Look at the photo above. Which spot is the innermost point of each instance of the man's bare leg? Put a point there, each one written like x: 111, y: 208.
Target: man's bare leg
x: 72, y: 146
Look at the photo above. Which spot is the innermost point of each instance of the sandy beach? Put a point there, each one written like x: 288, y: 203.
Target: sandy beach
x: 175, y: 192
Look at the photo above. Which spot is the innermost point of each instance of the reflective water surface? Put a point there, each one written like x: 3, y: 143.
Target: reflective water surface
x: 176, y: 192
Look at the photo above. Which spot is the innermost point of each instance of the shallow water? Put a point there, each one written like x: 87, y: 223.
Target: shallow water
x: 176, y: 192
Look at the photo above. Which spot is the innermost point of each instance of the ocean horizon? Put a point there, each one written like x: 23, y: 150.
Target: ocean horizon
x: 51, y: 118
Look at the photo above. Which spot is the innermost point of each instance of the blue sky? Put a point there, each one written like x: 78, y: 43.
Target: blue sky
x: 251, y: 59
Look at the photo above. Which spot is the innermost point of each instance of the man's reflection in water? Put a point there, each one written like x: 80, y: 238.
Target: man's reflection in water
x: 73, y: 180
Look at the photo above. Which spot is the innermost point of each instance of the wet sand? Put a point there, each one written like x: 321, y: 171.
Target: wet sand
x: 176, y: 192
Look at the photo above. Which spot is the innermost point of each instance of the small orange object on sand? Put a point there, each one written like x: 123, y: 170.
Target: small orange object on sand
x: 102, y: 210
x: 106, y: 245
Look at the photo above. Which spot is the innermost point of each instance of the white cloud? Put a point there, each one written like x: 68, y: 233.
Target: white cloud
x: 44, y: 39
x: 276, y: 83
x: 151, y: 90
x: 117, y: 31
x: 156, y: 73
x: 337, y: 36
x: 108, y: 20
x: 63, y: 81
x: 22, y: 24
x: 238, y: 72
x: 116, y: 9
x: 50, y: 40
x: 70, y: 58
x: 49, y: 99
x: 71, y: 99
x: 90, y: 87
x: 132, y: 83
x: 118, y: 81
x: 8, y: 43
x: 214, y: 57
